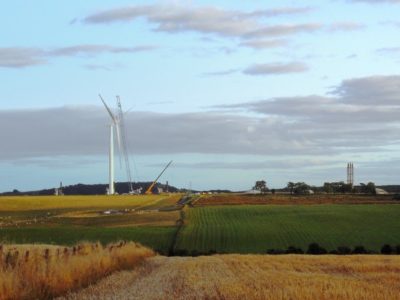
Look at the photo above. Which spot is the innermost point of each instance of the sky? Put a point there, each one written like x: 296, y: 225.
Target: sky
x: 231, y: 91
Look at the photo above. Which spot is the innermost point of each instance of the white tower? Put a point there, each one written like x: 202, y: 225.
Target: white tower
x: 113, y: 126
x: 350, y: 173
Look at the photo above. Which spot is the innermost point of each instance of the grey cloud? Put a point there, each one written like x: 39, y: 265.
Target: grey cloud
x: 369, y: 101
x: 389, y: 50
x: 374, y: 90
x: 97, y: 49
x: 221, y: 73
x: 254, y: 165
x: 264, y: 44
x: 15, y: 57
x: 95, y: 67
x: 346, y: 26
x: 347, y: 121
x: 279, y: 30
x: 20, y: 57
x: 206, y: 19
x: 275, y: 68
x: 72, y: 131
x: 280, y: 11
x: 358, y: 107
x: 57, y: 162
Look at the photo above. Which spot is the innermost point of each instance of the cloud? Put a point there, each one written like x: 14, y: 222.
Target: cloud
x: 254, y: 165
x: 256, y: 29
x: 391, y: 23
x: 264, y: 44
x: 275, y: 68
x: 96, y: 67
x: 221, y: 73
x: 21, y: 57
x: 347, y: 121
x: 206, y: 19
x: 375, y: 1
x: 97, y: 49
x: 373, y: 90
x: 389, y: 50
x: 368, y: 101
x: 346, y: 26
x: 15, y: 57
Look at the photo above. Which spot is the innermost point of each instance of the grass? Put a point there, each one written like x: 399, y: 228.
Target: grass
x: 256, y: 228
x: 152, y: 221
x: 254, y: 277
x: 40, y: 272
x: 148, y: 219
x: 158, y: 238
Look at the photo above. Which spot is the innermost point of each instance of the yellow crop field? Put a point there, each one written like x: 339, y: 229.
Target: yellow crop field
x: 42, y: 272
x: 254, y: 277
x: 26, y: 203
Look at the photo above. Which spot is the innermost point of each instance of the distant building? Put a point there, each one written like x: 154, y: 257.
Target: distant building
x: 379, y: 191
x: 253, y: 191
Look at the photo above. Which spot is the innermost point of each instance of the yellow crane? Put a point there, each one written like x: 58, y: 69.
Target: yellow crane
x: 148, y: 191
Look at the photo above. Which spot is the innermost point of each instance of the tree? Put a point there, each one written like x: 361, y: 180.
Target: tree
x: 337, y: 187
x: 387, y: 249
x: 261, y: 185
x: 368, y: 188
x: 359, y: 250
x: 328, y: 188
x: 314, y: 248
x: 301, y: 188
x: 290, y: 186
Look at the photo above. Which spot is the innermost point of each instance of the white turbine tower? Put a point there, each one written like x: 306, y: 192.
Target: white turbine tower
x: 113, y: 126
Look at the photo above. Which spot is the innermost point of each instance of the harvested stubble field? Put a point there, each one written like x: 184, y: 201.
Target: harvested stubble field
x: 43, y: 272
x: 253, y: 277
x: 285, y: 199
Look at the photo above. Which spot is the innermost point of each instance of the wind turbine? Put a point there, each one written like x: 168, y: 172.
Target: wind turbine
x: 114, y: 126
x: 118, y: 126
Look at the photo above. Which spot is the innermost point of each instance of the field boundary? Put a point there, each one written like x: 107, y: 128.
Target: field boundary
x: 180, y: 223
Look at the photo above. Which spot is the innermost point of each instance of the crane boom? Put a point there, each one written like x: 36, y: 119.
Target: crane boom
x: 148, y: 191
x: 124, y: 146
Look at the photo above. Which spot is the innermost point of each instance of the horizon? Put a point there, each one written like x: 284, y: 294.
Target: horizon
x: 231, y: 91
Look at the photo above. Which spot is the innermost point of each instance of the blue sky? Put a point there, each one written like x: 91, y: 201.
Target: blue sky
x: 232, y: 91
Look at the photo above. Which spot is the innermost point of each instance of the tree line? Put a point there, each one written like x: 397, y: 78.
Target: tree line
x: 302, y: 188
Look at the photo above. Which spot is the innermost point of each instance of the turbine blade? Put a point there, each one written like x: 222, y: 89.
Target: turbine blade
x: 108, y: 109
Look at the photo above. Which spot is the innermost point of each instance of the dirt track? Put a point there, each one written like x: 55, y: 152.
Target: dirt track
x: 254, y: 277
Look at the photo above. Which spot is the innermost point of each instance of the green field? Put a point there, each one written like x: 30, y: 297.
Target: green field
x: 148, y: 219
x: 256, y: 228
x: 154, y: 221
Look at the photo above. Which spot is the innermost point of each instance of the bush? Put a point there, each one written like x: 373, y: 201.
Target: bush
x: 294, y: 250
x: 359, y: 250
x: 387, y: 249
x: 396, y: 197
x: 397, y: 249
x: 343, y: 250
x: 275, y: 251
x: 316, y: 249
x: 179, y: 252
